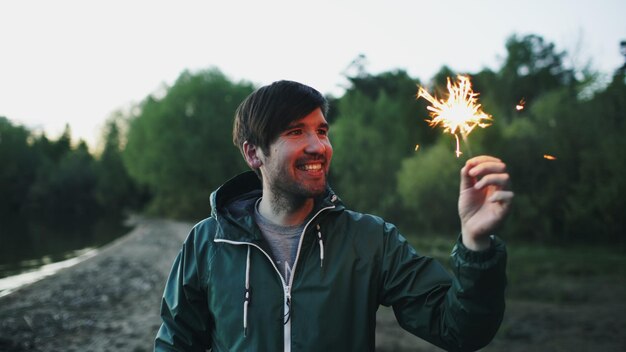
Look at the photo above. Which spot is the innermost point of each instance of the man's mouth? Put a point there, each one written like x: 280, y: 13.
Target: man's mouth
x: 310, y: 167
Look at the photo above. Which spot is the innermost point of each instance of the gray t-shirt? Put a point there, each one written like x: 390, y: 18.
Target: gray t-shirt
x: 282, y: 240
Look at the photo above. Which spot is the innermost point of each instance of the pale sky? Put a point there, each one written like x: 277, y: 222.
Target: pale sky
x: 77, y: 62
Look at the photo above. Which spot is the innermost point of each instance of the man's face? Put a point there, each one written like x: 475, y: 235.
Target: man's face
x: 299, y: 159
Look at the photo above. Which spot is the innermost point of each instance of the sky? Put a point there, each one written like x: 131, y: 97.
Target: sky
x: 77, y: 62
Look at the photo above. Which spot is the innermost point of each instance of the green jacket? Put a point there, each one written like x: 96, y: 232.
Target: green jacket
x: 225, y: 293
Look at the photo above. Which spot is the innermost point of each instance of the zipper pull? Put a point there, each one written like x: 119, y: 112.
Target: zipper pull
x: 321, y: 243
x: 287, y: 315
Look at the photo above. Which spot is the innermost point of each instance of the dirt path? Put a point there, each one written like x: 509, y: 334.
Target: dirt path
x: 110, y: 302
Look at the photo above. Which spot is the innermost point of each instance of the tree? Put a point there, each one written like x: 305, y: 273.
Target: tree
x: 377, y: 125
x: 594, y: 208
x: 61, y: 146
x: 575, y: 197
x: 532, y: 67
x: 19, y: 163
x: 65, y: 190
x: 115, y: 190
x: 180, y: 146
x: 428, y: 186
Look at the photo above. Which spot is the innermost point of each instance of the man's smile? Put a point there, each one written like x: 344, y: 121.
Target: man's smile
x: 310, y: 167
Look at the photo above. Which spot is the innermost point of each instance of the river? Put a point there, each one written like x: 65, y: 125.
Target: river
x: 31, y: 249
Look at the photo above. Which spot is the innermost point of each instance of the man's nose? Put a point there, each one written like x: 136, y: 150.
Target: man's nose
x: 314, y: 144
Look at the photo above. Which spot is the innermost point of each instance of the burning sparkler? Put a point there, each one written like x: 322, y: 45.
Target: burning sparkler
x: 460, y: 113
x: 520, y: 105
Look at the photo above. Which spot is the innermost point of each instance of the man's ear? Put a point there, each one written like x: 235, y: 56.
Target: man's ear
x: 252, y: 153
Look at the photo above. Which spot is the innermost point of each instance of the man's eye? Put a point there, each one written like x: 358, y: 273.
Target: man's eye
x: 294, y: 133
x: 323, y: 132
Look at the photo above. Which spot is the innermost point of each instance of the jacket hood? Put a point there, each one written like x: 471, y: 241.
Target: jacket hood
x: 232, y: 205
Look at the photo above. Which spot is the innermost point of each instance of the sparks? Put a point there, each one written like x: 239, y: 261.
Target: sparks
x: 417, y: 146
x: 460, y: 113
x: 520, y: 105
x: 549, y: 157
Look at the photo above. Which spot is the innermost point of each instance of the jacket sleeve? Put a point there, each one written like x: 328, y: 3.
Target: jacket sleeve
x: 184, y: 312
x: 458, y: 313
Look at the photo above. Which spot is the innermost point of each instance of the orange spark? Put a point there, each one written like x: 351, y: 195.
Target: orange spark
x: 549, y: 157
x: 417, y: 146
x: 520, y: 105
x: 460, y: 113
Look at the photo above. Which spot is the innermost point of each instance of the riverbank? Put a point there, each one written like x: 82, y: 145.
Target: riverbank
x: 111, y: 302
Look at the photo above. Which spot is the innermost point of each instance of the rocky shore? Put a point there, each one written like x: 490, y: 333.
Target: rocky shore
x: 109, y: 302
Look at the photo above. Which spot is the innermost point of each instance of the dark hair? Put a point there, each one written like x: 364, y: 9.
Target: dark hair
x: 269, y: 110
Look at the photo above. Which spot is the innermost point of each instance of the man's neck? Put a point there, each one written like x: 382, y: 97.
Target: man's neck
x: 285, y: 213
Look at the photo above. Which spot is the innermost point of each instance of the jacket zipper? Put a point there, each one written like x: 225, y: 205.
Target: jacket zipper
x: 286, y: 288
x: 287, y: 328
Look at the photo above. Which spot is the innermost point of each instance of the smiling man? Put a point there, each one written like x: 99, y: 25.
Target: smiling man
x: 282, y: 264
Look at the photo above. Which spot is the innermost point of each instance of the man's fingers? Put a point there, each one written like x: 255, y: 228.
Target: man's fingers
x: 481, y: 159
x: 501, y: 196
x: 488, y: 167
x: 478, y: 167
x: 498, y: 180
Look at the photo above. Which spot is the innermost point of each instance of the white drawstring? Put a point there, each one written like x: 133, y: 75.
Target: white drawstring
x: 319, y: 235
x: 247, y: 296
x: 246, y: 301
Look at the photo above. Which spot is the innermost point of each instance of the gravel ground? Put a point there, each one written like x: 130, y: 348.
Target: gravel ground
x: 110, y: 302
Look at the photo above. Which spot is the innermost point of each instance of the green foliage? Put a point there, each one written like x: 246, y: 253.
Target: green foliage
x: 66, y: 188
x: 576, y: 198
x: 375, y: 128
x: 428, y: 186
x: 115, y: 189
x: 18, y: 162
x: 538, y: 183
x: 44, y: 179
x: 180, y: 146
x: 595, y: 208
x: 532, y: 67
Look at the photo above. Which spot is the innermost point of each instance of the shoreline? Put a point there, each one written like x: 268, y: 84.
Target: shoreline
x: 109, y: 301
x: 13, y: 283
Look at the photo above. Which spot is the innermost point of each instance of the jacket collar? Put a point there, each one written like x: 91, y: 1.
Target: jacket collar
x: 232, y: 205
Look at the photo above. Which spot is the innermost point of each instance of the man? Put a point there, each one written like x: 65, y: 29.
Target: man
x: 281, y: 264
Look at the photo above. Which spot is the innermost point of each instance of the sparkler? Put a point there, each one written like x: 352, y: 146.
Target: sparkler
x: 460, y: 113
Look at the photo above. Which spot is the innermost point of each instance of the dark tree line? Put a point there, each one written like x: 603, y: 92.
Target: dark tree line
x: 54, y: 180
x: 175, y: 148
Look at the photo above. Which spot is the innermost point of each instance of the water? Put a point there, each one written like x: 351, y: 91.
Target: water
x: 31, y: 249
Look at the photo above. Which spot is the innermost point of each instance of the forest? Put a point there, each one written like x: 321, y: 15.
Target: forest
x: 560, y: 130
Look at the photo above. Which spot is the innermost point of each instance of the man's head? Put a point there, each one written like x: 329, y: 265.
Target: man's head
x: 281, y: 131
x: 267, y: 112
x: 270, y: 109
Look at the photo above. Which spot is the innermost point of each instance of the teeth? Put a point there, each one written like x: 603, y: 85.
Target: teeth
x: 312, y: 167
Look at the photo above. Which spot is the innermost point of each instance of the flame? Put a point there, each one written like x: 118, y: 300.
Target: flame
x: 460, y: 113
x: 520, y: 105
x: 417, y: 146
x: 549, y: 157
